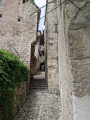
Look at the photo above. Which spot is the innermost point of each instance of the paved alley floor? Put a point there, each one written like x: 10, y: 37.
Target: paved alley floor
x: 40, y: 105
x: 39, y: 75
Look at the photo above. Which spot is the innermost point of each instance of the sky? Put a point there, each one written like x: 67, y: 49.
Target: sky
x: 40, y: 3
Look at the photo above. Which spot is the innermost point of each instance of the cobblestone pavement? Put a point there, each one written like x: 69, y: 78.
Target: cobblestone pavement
x: 40, y: 105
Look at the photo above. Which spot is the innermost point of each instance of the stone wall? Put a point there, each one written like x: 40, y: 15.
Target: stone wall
x: 65, y: 76
x: 33, y: 66
x: 78, y: 38
x: 73, y: 56
x: 51, y: 49
x: 1, y: 4
x: 20, y: 95
x: 16, y: 31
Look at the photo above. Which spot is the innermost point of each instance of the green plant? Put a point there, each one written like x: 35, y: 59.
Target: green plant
x: 12, y: 72
x: 67, y: 11
x: 31, y: 1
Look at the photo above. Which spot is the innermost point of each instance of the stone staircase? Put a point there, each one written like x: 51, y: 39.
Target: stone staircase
x: 39, y: 81
x: 38, y: 84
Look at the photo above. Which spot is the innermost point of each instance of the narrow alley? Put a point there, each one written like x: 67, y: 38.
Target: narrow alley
x: 44, y: 59
x: 40, y: 105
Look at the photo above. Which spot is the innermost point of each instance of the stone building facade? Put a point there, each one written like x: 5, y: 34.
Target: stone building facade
x: 51, y: 43
x: 18, y: 27
x: 71, y: 45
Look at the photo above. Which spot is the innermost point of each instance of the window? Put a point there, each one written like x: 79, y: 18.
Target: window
x: 19, y: 20
x: 23, y: 1
x: 0, y: 16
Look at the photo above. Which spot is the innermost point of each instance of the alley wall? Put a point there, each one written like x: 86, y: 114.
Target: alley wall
x: 51, y: 43
x: 16, y: 28
x: 73, y: 53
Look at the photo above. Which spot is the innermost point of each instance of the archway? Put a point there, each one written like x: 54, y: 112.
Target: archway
x: 42, y: 66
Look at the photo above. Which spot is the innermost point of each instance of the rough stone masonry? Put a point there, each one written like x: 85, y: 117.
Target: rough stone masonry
x: 16, y: 31
x: 73, y: 53
x: 51, y: 43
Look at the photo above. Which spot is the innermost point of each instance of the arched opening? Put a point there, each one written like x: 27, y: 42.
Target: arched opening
x: 42, y: 66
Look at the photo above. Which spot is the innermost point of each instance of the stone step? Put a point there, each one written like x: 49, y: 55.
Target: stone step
x: 38, y: 87
x: 38, y: 84
x: 43, y: 85
x: 38, y: 80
